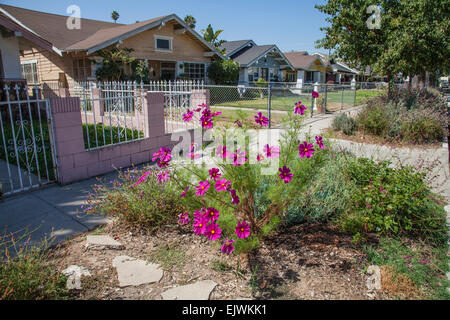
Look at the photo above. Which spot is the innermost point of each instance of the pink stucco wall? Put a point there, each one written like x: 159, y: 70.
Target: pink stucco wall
x: 75, y: 163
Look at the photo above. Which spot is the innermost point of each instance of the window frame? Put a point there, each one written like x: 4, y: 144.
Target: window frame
x: 170, y: 39
x: 199, y: 69
x: 34, y: 73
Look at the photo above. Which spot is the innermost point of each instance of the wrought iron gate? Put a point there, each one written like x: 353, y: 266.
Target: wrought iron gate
x: 27, y: 148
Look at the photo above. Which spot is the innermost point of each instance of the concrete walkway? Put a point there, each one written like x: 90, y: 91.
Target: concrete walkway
x: 53, y: 212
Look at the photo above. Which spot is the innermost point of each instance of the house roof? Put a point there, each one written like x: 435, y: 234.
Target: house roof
x: 231, y: 47
x: 7, y: 23
x: 247, y: 58
x: 338, y: 66
x: 93, y: 36
x: 301, y: 59
x: 53, y: 27
x: 104, y: 35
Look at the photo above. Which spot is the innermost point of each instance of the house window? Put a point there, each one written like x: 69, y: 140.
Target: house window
x: 163, y: 43
x: 194, y: 70
x: 253, y: 74
x: 274, y: 74
x: 30, y: 71
x: 82, y: 69
x: 309, y: 76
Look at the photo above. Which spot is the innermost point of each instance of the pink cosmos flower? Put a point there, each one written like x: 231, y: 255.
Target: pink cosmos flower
x: 213, y: 232
x: 285, y: 174
x: 200, y: 213
x: 234, y: 197
x: 239, y: 158
x: 184, y: 193
x: 163, y: 176
x: 424, y: 261
x: 315, y: 94
x: 243, y: 230
x: 200, y: 226
x: 271, y: 152
x: 306, y: 150
x: 227, y: 247
x: 214, y: 174
x: 299, y: 108
x: 163, y: 154
x: 184, y: 219
x: 319, y: 141
x: 222, y: 185
x: 222, y: 152
x: 259, y: 157
x: 212, y: 214
x: 193, y: 146
x: 216, y: 114
x: 238, y: 123
x: 202, y: 188
x: 198, y: 110
x: 162, y: 164
x: 261, y: 120
x: 206, y: 122
x: 142, y: 179
x: 187, y: 117
x: 193, y: 156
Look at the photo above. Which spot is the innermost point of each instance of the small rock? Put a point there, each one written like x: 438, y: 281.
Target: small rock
x: 103, y: 243
x: 374, y: 281
x: 133, y: 272
x: 74, y: 274
x: 198, y: 291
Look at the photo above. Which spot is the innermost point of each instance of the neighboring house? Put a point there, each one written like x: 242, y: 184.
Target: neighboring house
x: 266, y: 62
x: 342, y: 73
x: 167, y: 44
x: 307, y: 68
x: 11, y: 35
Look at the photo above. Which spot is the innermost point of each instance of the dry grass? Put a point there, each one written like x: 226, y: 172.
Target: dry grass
x: 398, y: 285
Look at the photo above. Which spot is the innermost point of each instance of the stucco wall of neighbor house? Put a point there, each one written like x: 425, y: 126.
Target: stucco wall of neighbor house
x: 75, y: 163
x: 10, y: 57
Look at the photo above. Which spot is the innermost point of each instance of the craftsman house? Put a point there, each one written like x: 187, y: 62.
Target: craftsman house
x: 266, y: 62
x: 168, y: 46
x: 308, y: 68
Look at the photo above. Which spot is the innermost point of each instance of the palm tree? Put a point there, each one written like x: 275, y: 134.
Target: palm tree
x: 190, y: 21
x: 212, y: 37
x: 115, y: 16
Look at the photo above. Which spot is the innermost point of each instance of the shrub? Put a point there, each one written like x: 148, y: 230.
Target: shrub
x: 149, y: 204
x: 224, y: 72
x: 373, y: 120
x: 327, y: 195
x: 345, y: 124
x: 28, y: 276
x: 392, y: 201
x: 422, y: 126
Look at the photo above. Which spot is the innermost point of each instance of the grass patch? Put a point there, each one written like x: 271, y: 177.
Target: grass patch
x: 412, y: 268
x: 29, y: 276
x: 101, y: 135
x: 170, y: 257
x: 221, y: 266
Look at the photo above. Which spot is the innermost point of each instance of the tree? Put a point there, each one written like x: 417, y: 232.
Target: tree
x: 213, y: 36
x: 411, y: 38
x: 190, y: 21
x: 115, y: 16
x: 113, y: 64
x: 224, y: 72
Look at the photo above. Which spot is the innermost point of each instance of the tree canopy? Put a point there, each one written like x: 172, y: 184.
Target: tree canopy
x: 412, y: 36
x: 115, y: 16
x: 213, y: 36
x: 190, y: 21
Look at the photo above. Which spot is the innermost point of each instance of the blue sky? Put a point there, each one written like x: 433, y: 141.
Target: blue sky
x: 290, y: 24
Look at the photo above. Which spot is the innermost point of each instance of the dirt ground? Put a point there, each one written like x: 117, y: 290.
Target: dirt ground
x: 307, y: 262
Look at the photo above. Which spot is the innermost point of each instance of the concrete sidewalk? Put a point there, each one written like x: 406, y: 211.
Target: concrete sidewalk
x: 52, y: 212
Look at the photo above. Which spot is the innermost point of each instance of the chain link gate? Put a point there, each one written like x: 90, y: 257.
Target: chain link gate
x: 27, y: 146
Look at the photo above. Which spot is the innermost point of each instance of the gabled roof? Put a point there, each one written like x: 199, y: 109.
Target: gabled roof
x: 10, y: 25
x: 337, y: 65
x: 53, y: 27
x: 93, y: 36
x: 302, y: 60
x: 231, y: 47
x: 252, y: 55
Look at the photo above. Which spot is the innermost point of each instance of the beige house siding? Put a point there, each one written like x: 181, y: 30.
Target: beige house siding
x: 185, y: 47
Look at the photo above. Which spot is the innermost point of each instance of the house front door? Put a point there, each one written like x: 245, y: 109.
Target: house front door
x: 265, y: 73
x: 168, y: 71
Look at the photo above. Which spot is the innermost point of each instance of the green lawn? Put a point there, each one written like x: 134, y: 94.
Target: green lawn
x: 284, y: 101
x: 101, y: 135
